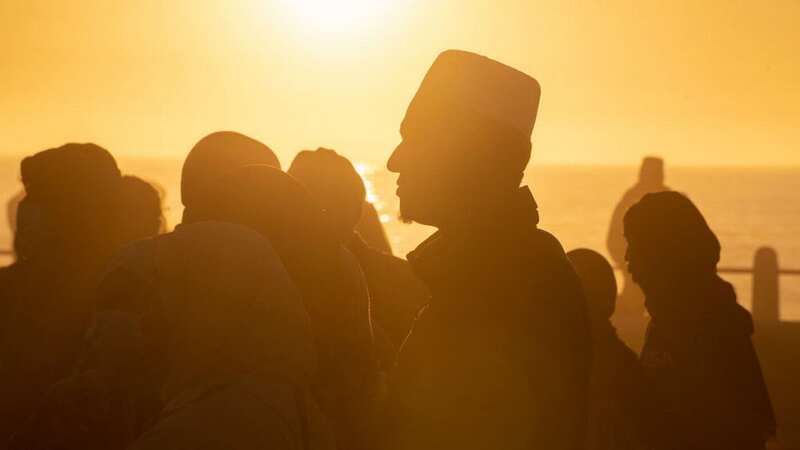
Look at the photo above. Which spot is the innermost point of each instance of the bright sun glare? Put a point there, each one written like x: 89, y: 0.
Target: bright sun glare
x: 336, y: 15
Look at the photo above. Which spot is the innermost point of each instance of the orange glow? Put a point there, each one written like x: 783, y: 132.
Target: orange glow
x: 327, y: 16
x: 706, y: 83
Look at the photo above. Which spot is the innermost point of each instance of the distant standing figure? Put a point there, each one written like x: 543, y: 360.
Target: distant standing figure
x: 615, y: 388
x: 703, y: 383
x: 630, y: 306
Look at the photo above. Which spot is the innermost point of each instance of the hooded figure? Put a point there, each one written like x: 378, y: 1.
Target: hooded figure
x: 331, y: 283
x: 630, y: 310
x: 234, y: 359
x: 212, y: 157
x: 67, y: 226
x: 240, y: 357
x: 703, y: 383
x: 396, y: 293
x: 500, y: 357
x: 615, y: 390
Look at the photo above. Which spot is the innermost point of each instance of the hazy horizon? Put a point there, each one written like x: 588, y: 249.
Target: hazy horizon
x: 378, y: 165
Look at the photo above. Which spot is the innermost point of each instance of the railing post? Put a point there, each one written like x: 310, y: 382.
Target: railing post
x: 766, y: 301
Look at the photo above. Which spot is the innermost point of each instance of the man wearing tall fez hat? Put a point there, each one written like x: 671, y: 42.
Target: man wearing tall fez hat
x: 500, y: 357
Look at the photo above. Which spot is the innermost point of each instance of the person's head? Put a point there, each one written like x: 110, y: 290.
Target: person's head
x: 72, y: 201
x: 334, y: 185
x: 142, y: 209
x: 269, y: 201
x: 466, y: 137
x: 277, y: 206
x: 212, y: 157
x: 598, y: 282
x: 651, y: 172
x: 669, y: 242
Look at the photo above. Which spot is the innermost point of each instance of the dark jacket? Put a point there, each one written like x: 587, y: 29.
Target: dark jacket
x: 396, y: 293
x: 704, y: 387
x: 500, y: 358
x: 46, y: 309
x: 199, y: 329
x: 615, y: 393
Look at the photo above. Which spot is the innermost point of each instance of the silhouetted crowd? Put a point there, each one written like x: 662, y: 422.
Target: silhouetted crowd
x: 275, y: 316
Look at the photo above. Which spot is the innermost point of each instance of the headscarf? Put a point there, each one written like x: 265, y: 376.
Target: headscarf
x: 212, y: 157
x: 238, y: 312
x: 329, y: 279
x: 670, y: 224
x: 682, y: 252
x: 269, y: 201
x: 76, y: 190
x: 277, y: 206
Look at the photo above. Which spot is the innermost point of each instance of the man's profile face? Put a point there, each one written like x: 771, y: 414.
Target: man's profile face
x: 647, y: 262
x: 427, y: 184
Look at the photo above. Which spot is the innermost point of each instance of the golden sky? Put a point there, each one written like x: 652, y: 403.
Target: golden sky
x: 699, y: 82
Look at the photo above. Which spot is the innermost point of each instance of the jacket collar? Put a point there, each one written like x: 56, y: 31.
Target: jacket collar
x: 461, y: 255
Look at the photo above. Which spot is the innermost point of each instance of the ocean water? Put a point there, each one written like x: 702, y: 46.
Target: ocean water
x: 746, y: 207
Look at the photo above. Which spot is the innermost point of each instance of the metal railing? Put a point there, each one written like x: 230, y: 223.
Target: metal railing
x: 766, y: 274
x: 766, y: 285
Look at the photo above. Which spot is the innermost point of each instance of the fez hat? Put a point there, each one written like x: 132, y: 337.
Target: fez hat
x: 464, y: 84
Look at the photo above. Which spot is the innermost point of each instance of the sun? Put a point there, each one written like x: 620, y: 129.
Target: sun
x: 336, y: 16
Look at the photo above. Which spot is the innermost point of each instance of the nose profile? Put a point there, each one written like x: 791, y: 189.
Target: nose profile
x: 394, y: 163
